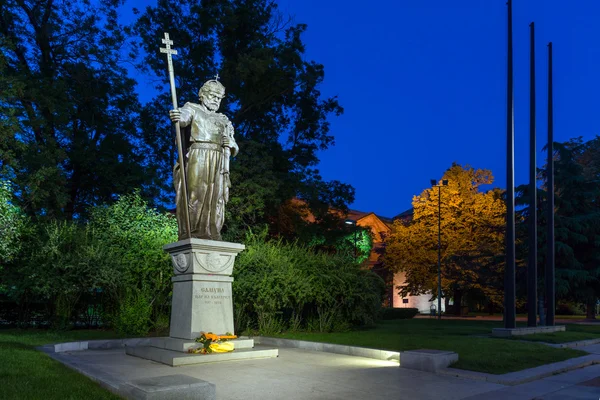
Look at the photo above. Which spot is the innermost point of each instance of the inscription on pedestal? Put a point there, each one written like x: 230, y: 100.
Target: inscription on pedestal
x: 212, y: 296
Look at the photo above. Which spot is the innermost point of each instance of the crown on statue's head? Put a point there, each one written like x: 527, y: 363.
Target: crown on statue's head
x: 213, y: 85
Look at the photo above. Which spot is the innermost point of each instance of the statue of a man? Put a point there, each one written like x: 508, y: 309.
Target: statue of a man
x: 210, y: 138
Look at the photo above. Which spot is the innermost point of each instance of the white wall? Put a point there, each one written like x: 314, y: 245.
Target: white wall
x: 421, y: 302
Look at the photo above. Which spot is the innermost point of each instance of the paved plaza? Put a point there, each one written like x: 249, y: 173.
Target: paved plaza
x: 301, y: 375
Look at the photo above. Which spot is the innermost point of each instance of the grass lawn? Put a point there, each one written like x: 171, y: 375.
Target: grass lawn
x: 26, y: 373
x: 484, y: 354
x: 573, y: 333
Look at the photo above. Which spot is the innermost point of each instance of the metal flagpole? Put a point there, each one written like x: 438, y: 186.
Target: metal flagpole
x: 532, y: 267
x: 550, y: 298
x: 509, y: 273
x: 170, y: 52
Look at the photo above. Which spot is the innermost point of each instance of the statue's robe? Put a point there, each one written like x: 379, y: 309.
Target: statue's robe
x: 203, y: 133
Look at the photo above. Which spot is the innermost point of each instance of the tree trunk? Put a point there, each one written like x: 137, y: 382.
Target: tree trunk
x: 457, y: 301
x: 590, y: 312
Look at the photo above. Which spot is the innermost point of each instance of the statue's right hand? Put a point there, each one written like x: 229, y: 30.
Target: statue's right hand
x: 175, y: 115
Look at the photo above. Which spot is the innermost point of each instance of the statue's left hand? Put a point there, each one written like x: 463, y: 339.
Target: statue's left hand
x: 227, y: 142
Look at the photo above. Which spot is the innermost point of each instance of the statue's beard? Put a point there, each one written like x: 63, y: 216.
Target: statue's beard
x: 211, y: 106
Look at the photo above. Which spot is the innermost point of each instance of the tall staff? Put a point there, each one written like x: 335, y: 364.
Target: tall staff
x: 550, y: 294
x: 186, y: 213
x: 509, y: 271
x: 532, y: 267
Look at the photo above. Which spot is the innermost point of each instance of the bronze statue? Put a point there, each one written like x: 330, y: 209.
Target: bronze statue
x: 210, y: 138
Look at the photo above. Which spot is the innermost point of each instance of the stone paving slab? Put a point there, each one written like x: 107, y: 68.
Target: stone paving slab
x: 521, y: 331
x: 592, y: 349
x: 170, y: 387
x: 427, y: 360
x: 527, y: 375
x: 303, y: 374
x: 573, y: 393
x: 330, y: 348
x: 295, y: 375
x: 579, y: 343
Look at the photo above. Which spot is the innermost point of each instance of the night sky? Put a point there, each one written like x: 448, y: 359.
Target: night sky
x: 423, y: 84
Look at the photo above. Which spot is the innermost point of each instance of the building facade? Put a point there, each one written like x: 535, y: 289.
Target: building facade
x: 380, y: 228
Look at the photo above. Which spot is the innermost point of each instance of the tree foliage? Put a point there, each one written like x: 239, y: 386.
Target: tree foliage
x: 280, y: 286
x: 577, y: 219
x: 472, y: 238
x: 12, y: 221
x: 273, y: 100
x: 115, y: 261
x: 68, y: 131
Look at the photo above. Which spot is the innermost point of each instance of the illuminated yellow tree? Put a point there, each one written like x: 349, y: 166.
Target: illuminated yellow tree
x: 472, y: 238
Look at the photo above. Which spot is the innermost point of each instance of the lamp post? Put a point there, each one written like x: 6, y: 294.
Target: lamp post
x: 434, y: 183
x: 353, y: 224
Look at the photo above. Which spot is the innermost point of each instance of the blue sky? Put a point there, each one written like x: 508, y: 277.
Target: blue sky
x: 423, y: 84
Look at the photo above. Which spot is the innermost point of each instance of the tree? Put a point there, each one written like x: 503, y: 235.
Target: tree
x: 472, y: 238
x: 11, y: 224
x: 69, y: 138
x: 272, y: 99
x: 577, y: 221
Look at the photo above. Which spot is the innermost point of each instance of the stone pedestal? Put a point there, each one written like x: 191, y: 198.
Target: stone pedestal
x: 202, y: 302
x: 202, y: 297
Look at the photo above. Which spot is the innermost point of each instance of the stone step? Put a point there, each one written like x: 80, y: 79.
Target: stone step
x: 176, y: 358
x: 183, y: 345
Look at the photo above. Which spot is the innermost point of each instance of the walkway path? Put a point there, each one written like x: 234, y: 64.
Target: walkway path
x: 302, y: 375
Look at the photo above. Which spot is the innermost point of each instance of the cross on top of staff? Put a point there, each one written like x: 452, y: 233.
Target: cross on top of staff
x: 168, y: 42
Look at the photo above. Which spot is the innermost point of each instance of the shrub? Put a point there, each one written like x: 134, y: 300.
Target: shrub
x: 63, y: 262
x: 133, y: 315
x: 288, y: 286
x: 569, y: 308
x: 399, y: 313
x: 116, y: 261
x: 11, y: 224
x: 134, y: 234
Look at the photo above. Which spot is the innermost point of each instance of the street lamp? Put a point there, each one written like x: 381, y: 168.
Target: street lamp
x: 353, y: 224
x: 434, y: 183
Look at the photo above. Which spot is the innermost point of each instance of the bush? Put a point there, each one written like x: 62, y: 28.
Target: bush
x: 11, y: 224
x: 70, y: 265
x: 135, y: 234
x: 569, y: 308
x: 288, y: 286
x: 133, y: 315
x: 399, y: 313
x: 63, y: 263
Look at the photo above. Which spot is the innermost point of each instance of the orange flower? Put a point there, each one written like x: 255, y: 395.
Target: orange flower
x: 211, y: 336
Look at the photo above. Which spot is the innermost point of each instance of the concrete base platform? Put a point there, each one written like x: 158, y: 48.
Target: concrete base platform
x: 504, y: 332
x: 297, y: 374
x: 176, y: 358
x: 427, y: 360
x: 181, y: 387
x: 183, y: 345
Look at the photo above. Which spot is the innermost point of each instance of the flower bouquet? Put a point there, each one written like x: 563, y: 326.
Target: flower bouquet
x: 212, y: 343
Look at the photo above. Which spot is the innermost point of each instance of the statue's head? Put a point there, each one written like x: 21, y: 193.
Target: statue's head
x: 211, y: 94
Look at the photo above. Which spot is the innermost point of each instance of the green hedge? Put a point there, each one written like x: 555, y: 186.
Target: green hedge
x: 111, y: 270
x: 286, y: 286
x: 113, y: 263
x: 399, y: 313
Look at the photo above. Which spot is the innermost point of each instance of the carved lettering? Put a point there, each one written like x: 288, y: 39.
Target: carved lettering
x: 214, y: 290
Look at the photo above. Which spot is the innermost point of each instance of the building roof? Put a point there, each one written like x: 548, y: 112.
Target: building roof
x: 356, y: 215
x: 408, y: 214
